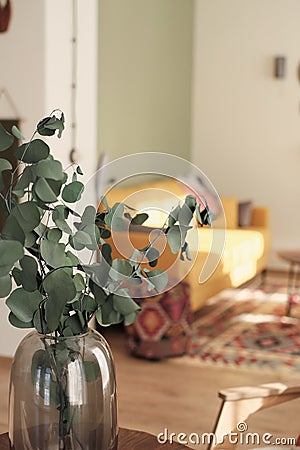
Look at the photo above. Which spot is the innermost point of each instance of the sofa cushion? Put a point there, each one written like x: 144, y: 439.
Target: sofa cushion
x: 230, y: 206
x: 245, y: 213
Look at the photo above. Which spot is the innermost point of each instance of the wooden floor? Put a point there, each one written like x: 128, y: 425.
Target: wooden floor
x: 158, y: 395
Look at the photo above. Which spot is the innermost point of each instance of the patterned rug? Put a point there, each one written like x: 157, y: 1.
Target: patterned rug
x: 248, y: 328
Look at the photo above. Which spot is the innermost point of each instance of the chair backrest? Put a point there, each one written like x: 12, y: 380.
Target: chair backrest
x: 239, y: 403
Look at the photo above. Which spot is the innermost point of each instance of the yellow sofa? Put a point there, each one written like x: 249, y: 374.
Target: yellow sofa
x: 245, y: 251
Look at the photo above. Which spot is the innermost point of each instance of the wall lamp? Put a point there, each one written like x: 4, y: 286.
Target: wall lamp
x: 279, y: 66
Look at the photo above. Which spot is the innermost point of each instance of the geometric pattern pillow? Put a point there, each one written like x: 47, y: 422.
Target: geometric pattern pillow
x: 163, y: 327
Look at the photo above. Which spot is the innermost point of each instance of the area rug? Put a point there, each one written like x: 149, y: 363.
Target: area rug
x: 248, y: 328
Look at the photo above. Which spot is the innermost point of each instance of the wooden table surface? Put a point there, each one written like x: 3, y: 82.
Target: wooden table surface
x: 291, y: 256
x: 128, y: 440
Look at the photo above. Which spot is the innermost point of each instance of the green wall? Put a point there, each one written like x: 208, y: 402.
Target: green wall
x: 145, y: 76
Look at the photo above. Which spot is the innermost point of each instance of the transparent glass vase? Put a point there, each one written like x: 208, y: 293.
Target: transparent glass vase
x: 63, y: 394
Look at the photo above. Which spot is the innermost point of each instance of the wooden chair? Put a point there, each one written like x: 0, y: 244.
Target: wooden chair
x: 239, y: 403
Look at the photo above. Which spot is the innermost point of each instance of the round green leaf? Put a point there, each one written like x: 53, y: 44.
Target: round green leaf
x: 51, y: 169
x: 54, y: 234
x: 89, y: 304
x: 32, y: 152
x: 23, y: 304
x: 28, y: 275
x: 83, y: 238
x: 159, y: 279
x: 18, y: 323
x: 28, y: 176
x: 12, y: 230
x: 60, y: 289
x: 185, y: 215
x: 53, y: 253
x: 5, y: 165
x: 17, y: 133
x: 5, y: 286
x: 63, y: 226
x: 124, y: 305
x: 174, y: 238
x: 79, y: 282
x: 10, y: 252
x: 120, y: 269
x: 89, y: 215
x: 27, y: 215
x: 44, y: 191
x: 72, y: 191
x: 6, y: 139
x: 42, y: 129
x: 139, y: 219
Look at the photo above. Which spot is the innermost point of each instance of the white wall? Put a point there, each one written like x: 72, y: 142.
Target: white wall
x: 246, y: 123
x: 23, y: 63
x: 35, y: 69
x: 145, y: 71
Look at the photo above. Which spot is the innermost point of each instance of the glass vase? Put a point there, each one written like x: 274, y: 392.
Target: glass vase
x: 63, y: 394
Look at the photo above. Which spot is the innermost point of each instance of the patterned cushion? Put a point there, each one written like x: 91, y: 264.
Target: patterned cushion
x: 162, y: 328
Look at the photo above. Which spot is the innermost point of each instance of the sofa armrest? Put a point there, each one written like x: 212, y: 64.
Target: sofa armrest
x: 260, y: 217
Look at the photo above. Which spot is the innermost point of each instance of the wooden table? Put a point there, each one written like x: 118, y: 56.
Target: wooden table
x: 293, y: 258
x: 128, y: 440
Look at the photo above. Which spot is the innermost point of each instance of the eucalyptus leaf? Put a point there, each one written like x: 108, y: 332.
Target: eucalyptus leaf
x: 106, y: 314
x: 60, y: 289
x: 10, y: 252
x: 174, y: 238
x: 19, y: 323
x: 79, y: 171
x: 54, y: 123
x: 124, y: 305
x: 12, y: 230
x: 6, y: 139
x: 89, y: 304
x: 44, y: 191
x: 5, y: 286
x: 98, y: 272
x: 27, y: 215
x: 53, y: 253
x: 190, y: 201
x: 23, y: 304
x: 79, y: 282
x: 30, y: 239
x: 114, y: 218
x: 99, y: 293
x: 83, y: 238
x: 120, y: 269
x: 28, y: 275
x: 50, y: 169
x: 54, y: 234
x: 55, y: 185
x: 173, y: 216
x: 159, y: 278
x: 185, y: 215
x: 63, y: 225
x: 73, y: 258
x: 74, y: 323
x: 89, y: 215
x: 32, y: 152
x: 42, y: 129
x: 17, y: 133
x: 72, y: 192
x: 5, y: 165
x: 139, y: 219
